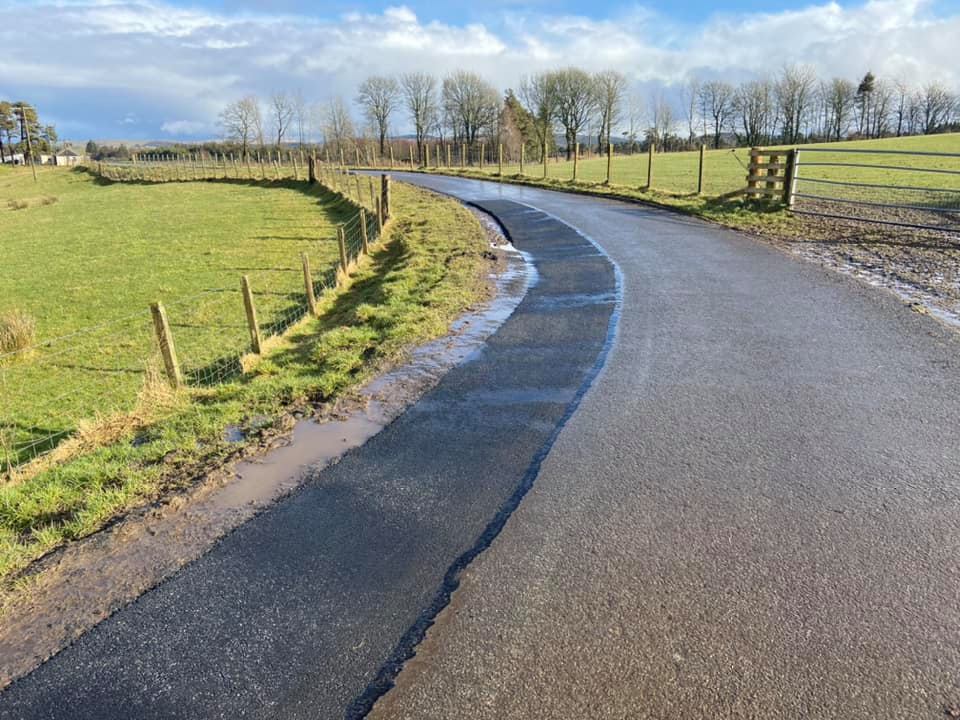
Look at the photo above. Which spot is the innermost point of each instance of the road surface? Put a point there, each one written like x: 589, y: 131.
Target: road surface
x: 751, y: 513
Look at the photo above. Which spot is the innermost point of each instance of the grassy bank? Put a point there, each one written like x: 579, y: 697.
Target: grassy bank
x: 430, y: 269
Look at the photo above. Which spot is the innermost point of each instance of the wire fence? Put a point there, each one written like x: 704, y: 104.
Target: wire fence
x: 910, y: 190
x: 77, y: 384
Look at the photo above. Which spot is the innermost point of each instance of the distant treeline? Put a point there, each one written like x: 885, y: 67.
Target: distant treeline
x: 559, y: 108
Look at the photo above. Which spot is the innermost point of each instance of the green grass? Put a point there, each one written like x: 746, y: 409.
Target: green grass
x: 431, y: 269
x: 675, y: 179
x: 87, y: 264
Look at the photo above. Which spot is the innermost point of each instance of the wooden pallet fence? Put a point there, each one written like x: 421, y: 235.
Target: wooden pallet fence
x: 770, y: 174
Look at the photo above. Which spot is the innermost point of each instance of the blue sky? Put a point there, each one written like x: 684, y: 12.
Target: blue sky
x: 163, y: 69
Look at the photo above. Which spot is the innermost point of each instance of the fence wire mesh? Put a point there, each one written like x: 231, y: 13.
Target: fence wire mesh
x: 55, y: 387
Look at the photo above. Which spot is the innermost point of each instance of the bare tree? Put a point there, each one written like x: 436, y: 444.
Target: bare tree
x: 936, y: 106
x: 538, y: 94
x: 691, y: 95
x: 902, y: 92
x: 661, y: 120
x: 609, y: 88
x: 420, y: 96
x: 794, y: 92
x: 301, y: 117
x: 338, y: 130
x: 635, y: 119
x: 378, y: 96
x: 753, y: 104
x: 281, y: 114
x: 575, y: 100
x: 242, y: 124
x: 839, y: 98
x: 717, y: 99
x: 472, y: 105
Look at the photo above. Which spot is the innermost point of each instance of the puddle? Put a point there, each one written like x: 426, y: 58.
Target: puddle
x: 85, y: 583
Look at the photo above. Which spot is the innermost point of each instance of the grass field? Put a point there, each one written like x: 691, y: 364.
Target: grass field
x: 431, y: 269
x: 675, y: 179
x: 85, y: 260
x: 725, y: 170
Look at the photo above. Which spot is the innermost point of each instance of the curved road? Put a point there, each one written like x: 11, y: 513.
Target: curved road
x: 752, y: 513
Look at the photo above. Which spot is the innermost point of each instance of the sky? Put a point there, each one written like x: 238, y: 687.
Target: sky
x: 164, y: 69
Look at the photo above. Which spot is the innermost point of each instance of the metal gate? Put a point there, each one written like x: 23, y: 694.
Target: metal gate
x: 917, y: 190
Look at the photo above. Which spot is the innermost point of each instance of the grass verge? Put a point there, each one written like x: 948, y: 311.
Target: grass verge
x: 432, y: 267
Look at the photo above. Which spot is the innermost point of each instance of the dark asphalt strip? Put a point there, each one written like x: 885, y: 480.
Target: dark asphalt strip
x: 309, y: 609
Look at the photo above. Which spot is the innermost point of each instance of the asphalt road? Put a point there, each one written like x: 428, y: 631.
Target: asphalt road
x: 306, y: 610
x: 752, y: 514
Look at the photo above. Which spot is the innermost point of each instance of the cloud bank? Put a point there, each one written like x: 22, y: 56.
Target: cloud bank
x: 152, y: 70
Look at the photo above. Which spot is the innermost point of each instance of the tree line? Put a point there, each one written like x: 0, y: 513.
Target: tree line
x: 21, y: 131
x: 556, y: 109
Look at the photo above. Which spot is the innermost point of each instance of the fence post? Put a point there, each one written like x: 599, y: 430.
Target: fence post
x: 500, y: 160
x: 251, y: 314
x: 308, y: 284
x: 752, y: 171
x: 410, y: 148
x: 426, y: 156
x: 379, y: 217
x: 311, y: 170
x: 359, y: 192
x: 342, y: 244
x: 483, y: 148
x: 576, y: 156
x: 167, y: 349
x: 385, y: 196
x: 652, y: 149
x: 391, y: 157
x: 609, y: 159
x: 364, y: 241
x: 772, y: 172
x: 522, y: 148
x: 544, y: 159
x: 790, y: 181
x: 700, y: 170
x: 449, y: 156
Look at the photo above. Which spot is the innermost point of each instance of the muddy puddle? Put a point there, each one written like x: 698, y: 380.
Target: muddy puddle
x: 83, y: 584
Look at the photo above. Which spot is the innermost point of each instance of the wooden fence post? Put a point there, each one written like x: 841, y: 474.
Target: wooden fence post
x: 751, y: 171
x: 364, y: 241
x: 483, y: 148
x: 609, y: 160
x: 385, y: 196
x: 342, y: 243
x: 379, y: 217
x: 311, y: 170
x: 426, y: 156
x: 391, y: 157
x: 410, y: 148
x: 650, y: 151
x: 449, y: 156
x: 522, y: 148
x: 790, y: 181
x: 359, y: 195
x: 167, y: 348
x: 500, y: 160
x: 356, y: 149
x: 700, y: 170
x: 576, y: 156
x: 772, y: 171
x: 251, y: 310
x: 308, y: 284
x: 544, y: 159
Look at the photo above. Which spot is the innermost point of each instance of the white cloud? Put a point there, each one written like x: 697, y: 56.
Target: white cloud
x: 158, y: 60
x: 183, y: 127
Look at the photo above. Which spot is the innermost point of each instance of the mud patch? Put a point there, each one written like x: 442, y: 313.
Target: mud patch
x: 76, y: 588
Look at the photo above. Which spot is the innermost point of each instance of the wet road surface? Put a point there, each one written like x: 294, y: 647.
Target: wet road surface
x: 305, y: 610
x: 752, y: 514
